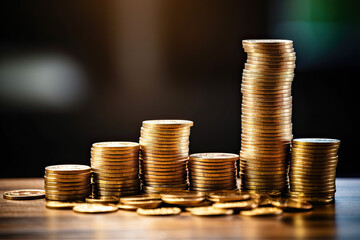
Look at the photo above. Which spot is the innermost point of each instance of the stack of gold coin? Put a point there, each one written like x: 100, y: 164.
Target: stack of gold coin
x: 313, y: 169
x: 67, y: 182
x: 164, y: 148
x: 115, y: 168
x: 266, y: 115
x: 212, y: 171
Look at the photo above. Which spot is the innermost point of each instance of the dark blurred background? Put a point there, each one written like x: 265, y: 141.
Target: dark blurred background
x: 77, y: 72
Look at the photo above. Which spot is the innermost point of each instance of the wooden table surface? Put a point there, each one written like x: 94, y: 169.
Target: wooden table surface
x: 31, y: 220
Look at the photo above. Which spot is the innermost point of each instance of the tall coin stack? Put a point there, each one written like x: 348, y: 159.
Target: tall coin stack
x: 67, y: 182
x: 313, y: 169
x: 115, y: 168
x: 164, y: 151
x: 266, y: 115
x: 212, y: 171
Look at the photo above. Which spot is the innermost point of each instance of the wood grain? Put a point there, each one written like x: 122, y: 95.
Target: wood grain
x: 31, y: 220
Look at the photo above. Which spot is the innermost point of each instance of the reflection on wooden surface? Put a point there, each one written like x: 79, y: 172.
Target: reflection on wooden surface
x: 31, y: 220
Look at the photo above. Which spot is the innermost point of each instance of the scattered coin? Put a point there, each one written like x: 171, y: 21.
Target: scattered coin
x: 24, y: 194
x: 94, y: 208
x: 227, y: 196
x: 103, y: 199
x: 243, y: 205
x: 209, y: 211
x: 164, y: 211
x: 263, y: 211
x: 292, y: 205
x: 61, y: 204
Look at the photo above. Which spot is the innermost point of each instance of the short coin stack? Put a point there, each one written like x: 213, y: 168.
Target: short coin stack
x: 212, y: 171
x: 67, y: 182
x: 266, y: 115
x: 115, y: 168
x: 164, y: 148
x: 313, y: 169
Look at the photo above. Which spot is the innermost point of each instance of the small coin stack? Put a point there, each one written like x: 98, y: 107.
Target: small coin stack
x: 164, y: 148
x: 115, y: 168
x: 313, y: 169
x: 212, y: 171
x: 67, y: 182
x: 266, y: 115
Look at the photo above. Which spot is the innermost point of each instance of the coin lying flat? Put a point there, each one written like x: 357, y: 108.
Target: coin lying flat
x: 292, y: 205
x: 127, y: 207
x: 61, y: 204
x: 146, y: 204
x: 104, y: 200
x: 67, y: 169
x: 94, y: 208
x: 244, y: 205
x: 263, y: 211
x: 209, y: 211
x: 24, y: 194
x: 227, y: 196
x: 165, y: 211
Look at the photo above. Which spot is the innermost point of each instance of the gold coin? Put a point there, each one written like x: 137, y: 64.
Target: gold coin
x: 268, y: 42
x: 102, y: 200
x: 66, y: 197
x: 142, y: 197
x: 82, y: 176
x: 67, y: 180
x: 264, y: 211
x: 224, y: 196
x: 114, y: 152
x: 61, y: 204
x: 67, y: 192
x: 67, y: 188
x: 209, y: 211
x: 67, y: 169
x: 164, y: 211
x: 167, y: 123
x: 243, y: 205
x: 145, y: 204
x: 114, y: 156
x: 126, y: 207
x: 94, y: 208
x: 115, y: 145
x: 184, y: 202
x: 24, y: 194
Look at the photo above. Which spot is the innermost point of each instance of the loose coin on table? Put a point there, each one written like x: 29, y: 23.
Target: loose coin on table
x: 61, y: 204
x: 164, y: 211
x: 24, y: 194
x: 262, y: 211
x: 94, y: 208
x: 209, y: 211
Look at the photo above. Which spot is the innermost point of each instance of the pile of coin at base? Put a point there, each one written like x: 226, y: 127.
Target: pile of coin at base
x: 266, y: 114
x: 67, y: 182
x: 164, y: 155
x: 212, y: 171
x: 313, y: 169
x: 115, y: 168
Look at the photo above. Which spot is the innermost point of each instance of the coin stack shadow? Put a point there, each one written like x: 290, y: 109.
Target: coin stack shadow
x: 164, y: 153
x: 266, y: 131
x: 115, y: 168
x: 313, y: 169
x: 67, y: 182
x: 212, y: 171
